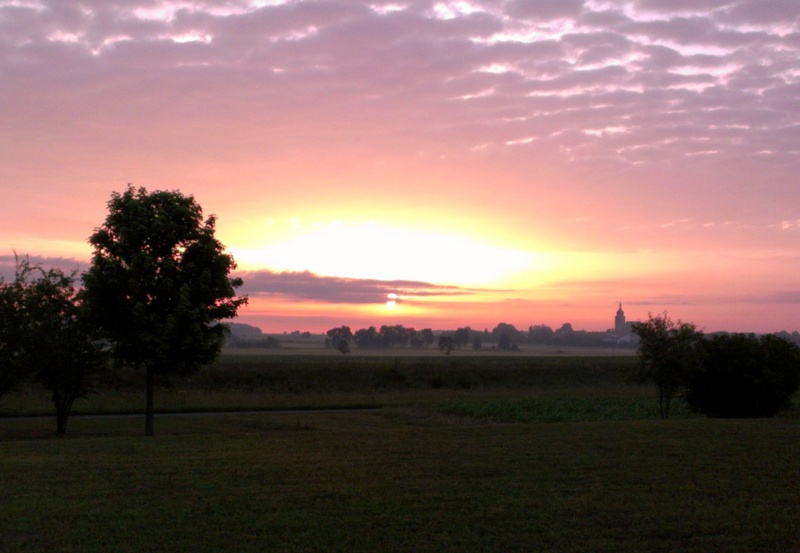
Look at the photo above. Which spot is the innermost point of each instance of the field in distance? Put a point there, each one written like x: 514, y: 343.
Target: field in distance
x: 315, y: 344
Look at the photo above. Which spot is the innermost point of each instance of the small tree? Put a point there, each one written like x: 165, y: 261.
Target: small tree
x: 540, y: 334
x: 44, y: 336
x: 339, y: 338
x: 461, y: 336
x: 446, y: 344
x: 12, y: 332
x: 61, y: 350
x: 428, y: 337
x: 745, y: 376
x: 477, y: 343
x: 669, y: 352
x: 368, y: 338
x: 158, y: 283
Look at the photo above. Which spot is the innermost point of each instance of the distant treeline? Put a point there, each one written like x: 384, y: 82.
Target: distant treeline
x: 503, y: 337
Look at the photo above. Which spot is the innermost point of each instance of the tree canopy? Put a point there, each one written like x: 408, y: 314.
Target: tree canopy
x: 61, y: 350
x: 11, y: 332
x: 669, y: 352
x: 44, y: 336
x: 158, y: 284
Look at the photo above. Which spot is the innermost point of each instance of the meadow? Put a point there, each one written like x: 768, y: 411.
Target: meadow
x: 436, y: 453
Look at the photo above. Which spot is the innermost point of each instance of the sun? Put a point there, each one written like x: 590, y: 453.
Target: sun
x: 391, y: 301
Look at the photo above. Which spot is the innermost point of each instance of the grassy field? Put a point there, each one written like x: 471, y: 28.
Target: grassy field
x: 301, y: 381
x: 524, y: 455
x: 315, y: 345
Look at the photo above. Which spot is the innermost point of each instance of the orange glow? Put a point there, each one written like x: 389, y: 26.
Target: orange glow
x: 375, y: 251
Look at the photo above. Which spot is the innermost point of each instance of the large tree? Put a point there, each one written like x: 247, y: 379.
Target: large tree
x: 159, y: 284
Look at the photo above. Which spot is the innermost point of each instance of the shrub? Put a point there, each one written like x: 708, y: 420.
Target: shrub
x: 742, y: 375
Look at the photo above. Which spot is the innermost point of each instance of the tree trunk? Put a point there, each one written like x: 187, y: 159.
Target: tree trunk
x: 148, y: 414
x: 61, y: 421
x: 663, y: 403
x: 63, y: 408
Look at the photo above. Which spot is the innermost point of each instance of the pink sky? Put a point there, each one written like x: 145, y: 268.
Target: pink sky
x: 527, y: 162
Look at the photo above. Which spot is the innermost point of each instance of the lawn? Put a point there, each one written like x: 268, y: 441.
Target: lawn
x: 402, y: 479
x: 570, y: 461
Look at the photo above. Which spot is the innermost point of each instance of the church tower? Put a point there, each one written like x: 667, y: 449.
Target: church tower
x: 620, y: 327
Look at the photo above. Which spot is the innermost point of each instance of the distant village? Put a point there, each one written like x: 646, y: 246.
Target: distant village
x: 503, y: 337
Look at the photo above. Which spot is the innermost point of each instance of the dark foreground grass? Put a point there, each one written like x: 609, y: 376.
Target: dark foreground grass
x: 405, y: 479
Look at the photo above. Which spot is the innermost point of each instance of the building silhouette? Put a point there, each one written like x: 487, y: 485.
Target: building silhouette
x: 621, y: 328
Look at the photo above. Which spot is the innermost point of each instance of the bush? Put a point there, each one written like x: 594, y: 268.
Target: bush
x: 742, y: 375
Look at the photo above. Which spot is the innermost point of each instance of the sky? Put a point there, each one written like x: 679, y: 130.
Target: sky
x: 431, y: 164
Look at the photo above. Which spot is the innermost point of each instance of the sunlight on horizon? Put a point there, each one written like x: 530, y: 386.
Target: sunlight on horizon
x: 375, y: 251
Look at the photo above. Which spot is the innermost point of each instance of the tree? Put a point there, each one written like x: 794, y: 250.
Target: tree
x: 159, y: 283
x: 504, y: 343
x: 60, y: 349
x: 343, y: 346
x: 743, y: 375
x: 44, y: 336
x: 394, y: 335
x: 477, y: 343
x: 339, y: 338
x: 416, y: 341
x: 368, y: 338
x: 446, y: 344
x: 12, y: 332
x: 566, y: 328
x: 461, y: 336
x: 540, y: 334
x: 427, y: 336
x: 505, y: 329
x: 669, y: 353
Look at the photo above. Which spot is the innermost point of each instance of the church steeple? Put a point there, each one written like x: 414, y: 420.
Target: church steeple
x: 619, y: 321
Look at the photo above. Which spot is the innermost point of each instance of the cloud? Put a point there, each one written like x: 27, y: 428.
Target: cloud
x: 8, y: 264
x: 315, y: 69
x: 630, y: 112
x: 307, y: 286
x: 544, y: 10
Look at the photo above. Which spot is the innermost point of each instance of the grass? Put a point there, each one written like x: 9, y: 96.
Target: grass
x: 549, y: 454
x: 400, y: 480
x: 290, y: 381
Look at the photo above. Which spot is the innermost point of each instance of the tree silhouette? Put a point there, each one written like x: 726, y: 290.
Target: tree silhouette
x: 744, y: 375
x: 669, y: 352
x: 11, y: 330
x: 159, y: 284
